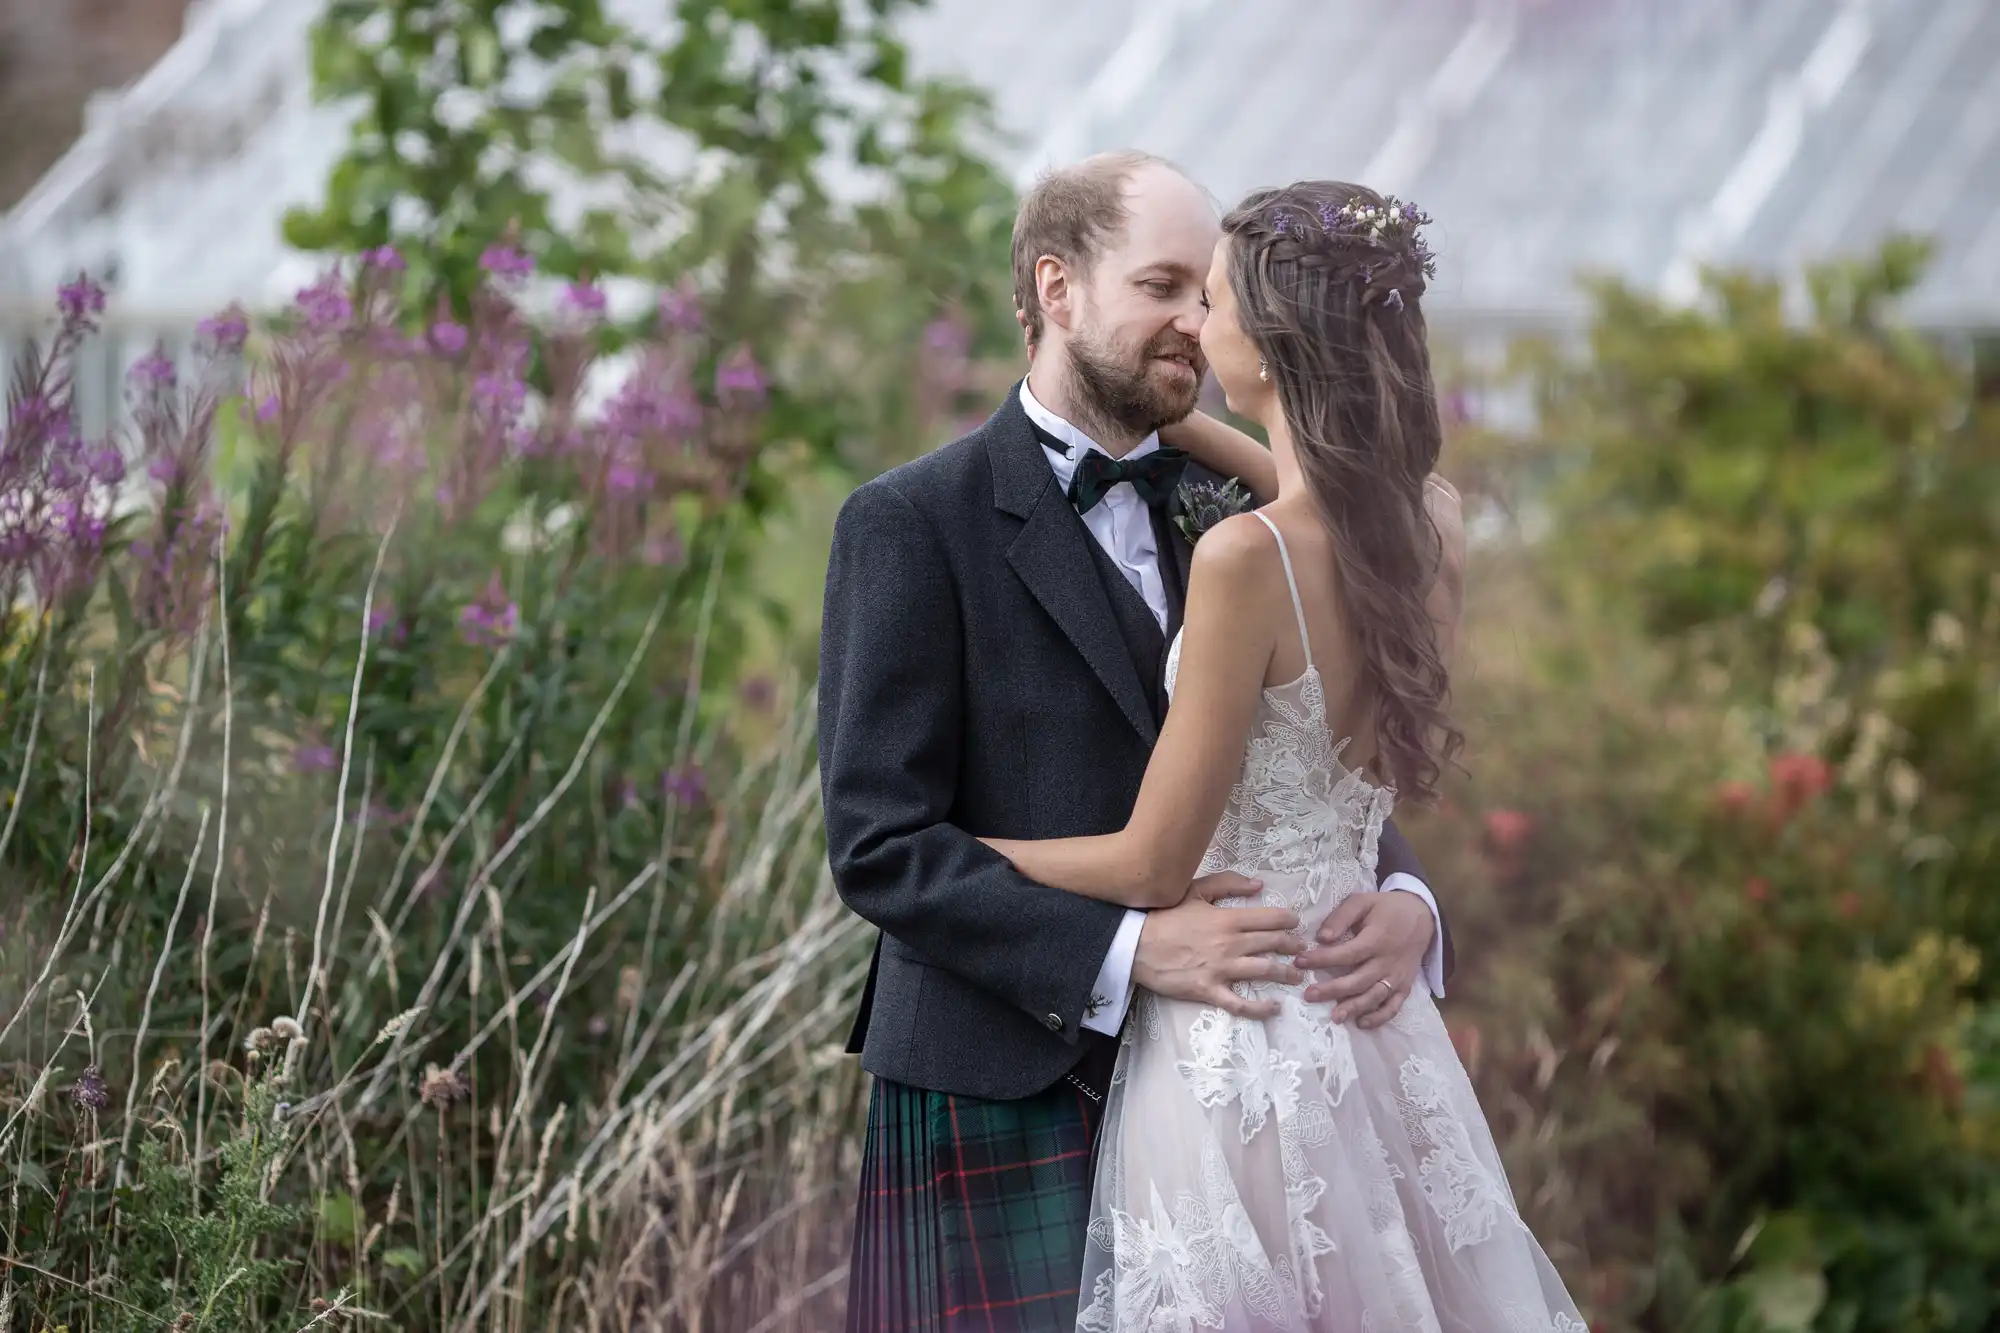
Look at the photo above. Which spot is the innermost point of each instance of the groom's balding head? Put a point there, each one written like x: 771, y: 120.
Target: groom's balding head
x: 1074, y: 215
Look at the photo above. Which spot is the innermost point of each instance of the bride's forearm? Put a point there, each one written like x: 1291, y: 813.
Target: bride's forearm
x: 1227, y: 451
x: 1107, y: 868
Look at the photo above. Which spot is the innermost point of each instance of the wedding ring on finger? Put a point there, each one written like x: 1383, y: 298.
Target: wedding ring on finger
x: 1383, y: 982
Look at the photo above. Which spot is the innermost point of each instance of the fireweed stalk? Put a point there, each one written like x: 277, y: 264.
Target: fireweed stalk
x: 297, y: 565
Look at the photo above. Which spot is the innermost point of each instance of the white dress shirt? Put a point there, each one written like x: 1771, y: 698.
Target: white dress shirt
x: 1123, y: 526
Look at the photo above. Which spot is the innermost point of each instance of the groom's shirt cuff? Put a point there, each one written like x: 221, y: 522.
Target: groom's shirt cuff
x: 1111, y: 994
x: 1433, y: 968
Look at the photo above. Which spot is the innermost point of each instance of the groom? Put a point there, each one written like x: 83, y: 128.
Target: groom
x: 991, y: 663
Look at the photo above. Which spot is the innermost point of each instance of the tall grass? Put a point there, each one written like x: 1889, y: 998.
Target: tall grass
x: 382, y: 950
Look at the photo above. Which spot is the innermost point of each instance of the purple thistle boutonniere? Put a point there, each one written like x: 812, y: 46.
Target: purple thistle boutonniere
x: 1206, y: 503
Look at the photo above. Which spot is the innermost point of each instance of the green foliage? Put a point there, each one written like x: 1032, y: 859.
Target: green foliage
x: 779, y: 155
x: 1732, y: 993
x: 225, y: 1248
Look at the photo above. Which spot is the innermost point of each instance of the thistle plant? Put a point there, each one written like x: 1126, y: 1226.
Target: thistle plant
x: 1203, y: 504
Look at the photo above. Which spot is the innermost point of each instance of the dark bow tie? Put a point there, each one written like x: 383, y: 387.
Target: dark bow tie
x: 1152, y: 475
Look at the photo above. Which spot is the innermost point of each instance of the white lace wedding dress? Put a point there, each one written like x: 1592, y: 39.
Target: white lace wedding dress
x: 1294, y: 1174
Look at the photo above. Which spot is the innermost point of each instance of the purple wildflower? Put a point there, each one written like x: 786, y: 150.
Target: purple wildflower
x: 384, y: 257
x: 739, y: 380
x: 225, y: 331
x: 89, y: 1091
x: 585, y: 299
x: 492, y: 620
x: 448, y: 337
x: 947, y: 336
x: 176, y: 574
x: 326, y: 305
x: 154, y: 373
x: 506, y: 262
x: 663, y: 548
x: 382, y: 815
x: 80, y: 302
x: 686, y: 785
x: 107, y: 465
x: 759, y: 692
x: 314, y: 757
x: 267, y: 409
x: 654, y: 403
x: 680, y: 308
x: 382, y: 618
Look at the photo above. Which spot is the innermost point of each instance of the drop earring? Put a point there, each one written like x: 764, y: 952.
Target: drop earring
x: 1263, y: 371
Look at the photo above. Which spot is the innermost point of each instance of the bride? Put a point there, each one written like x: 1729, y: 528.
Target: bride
x: 1285, y: 1171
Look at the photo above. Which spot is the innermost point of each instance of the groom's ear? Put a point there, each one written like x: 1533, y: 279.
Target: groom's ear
x: 1054, y: 292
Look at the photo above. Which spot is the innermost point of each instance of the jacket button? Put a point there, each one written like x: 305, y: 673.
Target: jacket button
x: 1054, y: 1022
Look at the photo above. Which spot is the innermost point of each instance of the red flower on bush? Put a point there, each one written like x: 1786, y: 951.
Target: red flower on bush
x: 1465, y: 1038
x: 1508, y: 831
x: 1796, y: 779
x: 1735, y: 796
x: 1758, y: 889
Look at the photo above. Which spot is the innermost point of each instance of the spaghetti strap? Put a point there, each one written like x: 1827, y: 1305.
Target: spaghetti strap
x: 1291, y: 581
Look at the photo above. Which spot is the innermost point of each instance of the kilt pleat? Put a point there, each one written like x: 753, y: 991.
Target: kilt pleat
x: 972, y: 1214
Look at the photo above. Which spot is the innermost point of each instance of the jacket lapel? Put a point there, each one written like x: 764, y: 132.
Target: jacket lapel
x: 1176, y: 557
x: 1051, y: 554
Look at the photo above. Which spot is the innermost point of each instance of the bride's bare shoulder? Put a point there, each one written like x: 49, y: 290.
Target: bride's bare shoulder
x: 1238, y: 547
x: 1447, y: 514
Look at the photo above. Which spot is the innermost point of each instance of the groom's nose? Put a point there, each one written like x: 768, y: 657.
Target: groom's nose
x: 1188, y: 318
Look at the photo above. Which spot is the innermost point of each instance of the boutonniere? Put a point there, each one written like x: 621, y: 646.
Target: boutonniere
x: 1206, y: 503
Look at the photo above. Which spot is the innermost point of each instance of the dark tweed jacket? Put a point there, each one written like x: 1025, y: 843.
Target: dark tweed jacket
x: 979, y: 676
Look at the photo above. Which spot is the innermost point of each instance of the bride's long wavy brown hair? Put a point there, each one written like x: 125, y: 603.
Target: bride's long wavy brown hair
x: 1329, y: 281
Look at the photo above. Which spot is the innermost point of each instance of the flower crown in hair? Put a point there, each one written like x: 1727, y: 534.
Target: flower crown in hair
x: 1383, y: 224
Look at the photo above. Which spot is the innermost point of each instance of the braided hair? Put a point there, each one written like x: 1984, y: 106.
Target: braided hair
x: 1329, y: 281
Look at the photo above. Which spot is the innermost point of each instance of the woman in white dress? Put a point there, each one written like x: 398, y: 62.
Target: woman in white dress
x: 1284, y: 1171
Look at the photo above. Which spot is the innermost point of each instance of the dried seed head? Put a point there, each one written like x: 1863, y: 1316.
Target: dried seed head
x: 260, y: 1041
x: 286, y: 1029
x: 294, y: 1052
x: 395, y: 1027
x: 441, y: 1087
x: 184, y: 1322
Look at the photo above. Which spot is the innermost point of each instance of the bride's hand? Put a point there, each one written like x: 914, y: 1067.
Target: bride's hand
x: 1225, y: 451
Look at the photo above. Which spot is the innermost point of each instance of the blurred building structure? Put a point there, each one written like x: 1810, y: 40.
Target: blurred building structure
x: 1548, y: 137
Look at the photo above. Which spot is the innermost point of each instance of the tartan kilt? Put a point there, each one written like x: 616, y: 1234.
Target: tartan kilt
x: 972, y: 1213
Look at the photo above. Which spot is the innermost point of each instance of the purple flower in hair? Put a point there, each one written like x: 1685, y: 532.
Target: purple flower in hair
x: 384, y: 257
x: 448, y: 337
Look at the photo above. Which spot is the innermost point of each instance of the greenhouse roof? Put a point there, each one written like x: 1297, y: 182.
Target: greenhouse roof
x: 1548, y: 137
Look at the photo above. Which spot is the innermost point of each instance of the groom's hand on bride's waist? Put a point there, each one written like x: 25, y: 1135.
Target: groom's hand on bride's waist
x: 1198, y: 951
x: 1373, y: 944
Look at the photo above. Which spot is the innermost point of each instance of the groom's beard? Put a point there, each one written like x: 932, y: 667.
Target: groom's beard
x: 1136, y: 392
